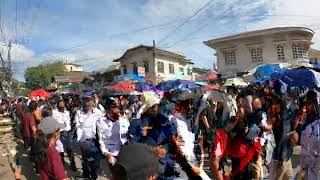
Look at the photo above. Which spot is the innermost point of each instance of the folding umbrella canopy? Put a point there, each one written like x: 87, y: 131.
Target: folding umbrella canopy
x: 123, y: 86
x: 210, y: 76
x: 211, y: 87
x: 40, y: 92
x: 140, y: 87
x: 299, y: 77
x: 263, y: 73
x: 216, y: 95
x: 235, y: 82
x: 177, y: 84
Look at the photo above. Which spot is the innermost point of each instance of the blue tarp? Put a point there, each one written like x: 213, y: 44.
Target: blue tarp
x: 299, y: 77
x: 263, y: 73
x: 132, y: 76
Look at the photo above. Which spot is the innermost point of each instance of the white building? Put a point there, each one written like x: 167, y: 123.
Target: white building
x: 239, y: 53
x: 156, y: 64
x: 314, y: 56
x: 73, y: 67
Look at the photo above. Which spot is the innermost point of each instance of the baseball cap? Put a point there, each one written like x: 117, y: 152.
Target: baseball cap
x: 50, y: 125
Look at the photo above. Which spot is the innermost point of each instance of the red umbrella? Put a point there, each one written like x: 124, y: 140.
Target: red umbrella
x: 210, y: 76
x: 211, y: 87
x: 123, y: 86
x: 40, y: 93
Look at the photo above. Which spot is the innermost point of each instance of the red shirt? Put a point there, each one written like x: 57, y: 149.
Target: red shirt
x: 52, y: 167
x: 28, y: 122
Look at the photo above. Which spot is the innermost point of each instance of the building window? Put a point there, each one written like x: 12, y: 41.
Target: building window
x: 280, y: 53
x: 160, y: 67
x: 256, y: 55
x: 124, y: 69
x: 135, y: 68
x: 171, y: 68
x: 229, y: 57
x: 314, y: 60
x: 189, y: 71
x: 181, y: 69
x: 146, y: 66
x: 300, y: 51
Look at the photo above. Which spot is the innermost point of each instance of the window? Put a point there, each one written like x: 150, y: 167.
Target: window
x: 181, y: 69
x: 124, y: 69
x: 160, y: 67
x: 146, y: 66
x: 299, y: 51
x: 189, y: 71
x: 171, y: 68
x: 135, y: 68
x: 314, y: 60
x: 256, y: 55
x: 229, y: 57
x: 280, y: 53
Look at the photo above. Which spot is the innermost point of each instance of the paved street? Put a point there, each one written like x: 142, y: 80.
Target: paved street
x: 28, y: 172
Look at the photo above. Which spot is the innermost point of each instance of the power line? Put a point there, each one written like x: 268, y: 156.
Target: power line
x: 186, y: 21
x: 34, y: 17
x: 187, y: 37
x: 115, y: 35
x: 16, y: 20
x: 224, y: 14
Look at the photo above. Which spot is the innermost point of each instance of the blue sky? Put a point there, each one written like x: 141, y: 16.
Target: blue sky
x: 94, y: 32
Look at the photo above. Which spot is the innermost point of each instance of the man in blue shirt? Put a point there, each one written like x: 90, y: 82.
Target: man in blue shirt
x: 155, y: 130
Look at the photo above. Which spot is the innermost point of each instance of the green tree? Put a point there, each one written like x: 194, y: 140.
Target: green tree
x: 42, y: 75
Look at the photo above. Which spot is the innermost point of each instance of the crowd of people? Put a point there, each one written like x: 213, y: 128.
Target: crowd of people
x: 250, y: 134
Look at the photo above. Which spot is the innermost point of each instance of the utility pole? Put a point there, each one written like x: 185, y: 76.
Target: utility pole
x: 154, y: 60
x: 9, y: 69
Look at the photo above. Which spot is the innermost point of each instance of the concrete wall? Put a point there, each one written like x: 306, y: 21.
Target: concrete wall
x: 71, y: 67
x: 139, y: 57
x: 176, y: 64
x: 153, y: 76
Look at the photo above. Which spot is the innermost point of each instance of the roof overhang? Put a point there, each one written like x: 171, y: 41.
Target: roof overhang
x: 250, y: 34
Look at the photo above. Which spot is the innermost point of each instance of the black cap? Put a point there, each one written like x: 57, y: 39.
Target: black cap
x: 111, y: 102
x: 138, y: 161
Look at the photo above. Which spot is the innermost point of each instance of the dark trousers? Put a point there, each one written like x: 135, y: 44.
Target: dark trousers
x: 67, y: 142
x: 90, y: 159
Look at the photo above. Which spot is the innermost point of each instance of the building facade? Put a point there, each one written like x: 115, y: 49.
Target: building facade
x: 156, y: 65
x: 73, y: 67
x: 239, y: 53
x: 198, y: 73
x: 314, y: 56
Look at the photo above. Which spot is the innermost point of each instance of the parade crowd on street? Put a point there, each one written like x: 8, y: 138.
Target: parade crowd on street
x: 248, y: 132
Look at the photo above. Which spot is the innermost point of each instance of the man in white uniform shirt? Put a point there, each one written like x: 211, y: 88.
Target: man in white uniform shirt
x: 63, y: 116
x: 112, y: 131
x: 86, y: 125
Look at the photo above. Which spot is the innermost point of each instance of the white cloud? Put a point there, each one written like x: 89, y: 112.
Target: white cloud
x: 168, y: 10
x: 18, y: 52
x: 291, y: 13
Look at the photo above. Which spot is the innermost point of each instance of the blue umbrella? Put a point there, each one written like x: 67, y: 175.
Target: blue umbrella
x: 263, y: 73
x: 140, y: 87
x: 298, y: 77
x: 177, y: 85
